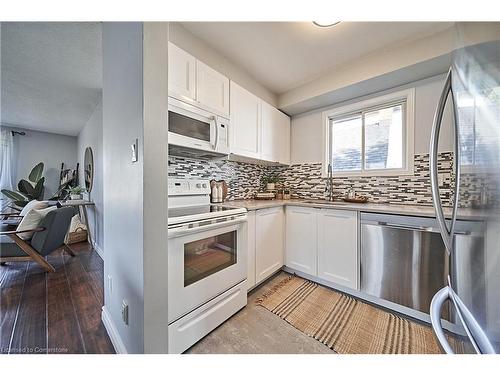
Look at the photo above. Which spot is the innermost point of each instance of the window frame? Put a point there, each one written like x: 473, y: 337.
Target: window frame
x: 473, y: 168
x: 404, y: 96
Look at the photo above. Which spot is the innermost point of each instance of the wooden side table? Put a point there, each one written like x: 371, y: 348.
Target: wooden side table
x: 82, y: 207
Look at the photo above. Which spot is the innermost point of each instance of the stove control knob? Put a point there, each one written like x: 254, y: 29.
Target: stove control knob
x: 198, y: 186
x: 204, y: 185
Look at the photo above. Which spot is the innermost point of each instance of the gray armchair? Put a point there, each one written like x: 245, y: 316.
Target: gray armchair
x: 46, y: 239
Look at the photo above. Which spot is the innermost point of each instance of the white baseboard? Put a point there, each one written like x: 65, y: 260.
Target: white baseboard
x: 98, y: 250
x: 113, y: 334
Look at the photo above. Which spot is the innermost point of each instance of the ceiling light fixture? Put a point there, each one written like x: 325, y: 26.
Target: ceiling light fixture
x: 325, y: 23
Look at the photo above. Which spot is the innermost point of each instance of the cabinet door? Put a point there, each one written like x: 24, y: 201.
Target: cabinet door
x: 284, y: 140
x: 275, y: 137
x: 301, y: 243
x: 338, y: 247
x: 245, y: 122
x: 251, y: 250
x: 269, y: 224
x: 181, y: 74
x: 212, y: 89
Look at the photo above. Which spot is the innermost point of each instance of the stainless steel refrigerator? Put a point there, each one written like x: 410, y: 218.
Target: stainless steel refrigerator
x: 472, y: 88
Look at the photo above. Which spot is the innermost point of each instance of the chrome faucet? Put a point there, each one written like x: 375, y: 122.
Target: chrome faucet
x: 329, y: 183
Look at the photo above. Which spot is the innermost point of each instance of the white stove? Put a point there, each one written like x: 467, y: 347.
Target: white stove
x: 207, y: 262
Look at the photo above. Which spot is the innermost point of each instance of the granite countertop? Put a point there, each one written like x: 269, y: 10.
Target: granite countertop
x: 384, y: 208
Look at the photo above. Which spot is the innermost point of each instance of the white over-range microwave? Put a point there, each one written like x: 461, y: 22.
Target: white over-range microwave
x: 196, y: 132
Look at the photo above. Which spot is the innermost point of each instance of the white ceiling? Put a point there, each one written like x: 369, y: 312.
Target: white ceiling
x: 284, y: 55
x: 51, y: 74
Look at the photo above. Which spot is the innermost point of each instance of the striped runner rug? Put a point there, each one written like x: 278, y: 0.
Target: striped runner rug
x: 345, y: 324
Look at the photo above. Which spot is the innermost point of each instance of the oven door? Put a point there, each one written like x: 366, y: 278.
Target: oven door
x: 191, y: 127
x: 204, y: 262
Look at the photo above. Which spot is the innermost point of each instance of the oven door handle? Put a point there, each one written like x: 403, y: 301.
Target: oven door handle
x: 182, y: 231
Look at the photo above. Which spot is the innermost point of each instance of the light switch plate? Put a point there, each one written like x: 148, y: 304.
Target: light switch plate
x: 134, y: 146
x: 125, y: 312
x: 110, y: 284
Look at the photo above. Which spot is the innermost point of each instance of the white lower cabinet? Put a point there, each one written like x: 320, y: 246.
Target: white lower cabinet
x: 338, y: 247
x: 269, y: 242
x: 251, y: 250
x: 302, y: 239
x: 323, y: 243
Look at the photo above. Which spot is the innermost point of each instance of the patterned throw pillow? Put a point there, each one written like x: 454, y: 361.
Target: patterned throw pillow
x: 31, y: 221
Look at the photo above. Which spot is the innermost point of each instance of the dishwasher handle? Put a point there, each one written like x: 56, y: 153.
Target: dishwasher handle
x: 408, y: 227
x: 413, y: 227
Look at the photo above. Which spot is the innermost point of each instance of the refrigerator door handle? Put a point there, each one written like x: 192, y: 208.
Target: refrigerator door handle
x: 433, y: 162
x: 435, y: 312
x: 477, y: 336
x: 456, y: 163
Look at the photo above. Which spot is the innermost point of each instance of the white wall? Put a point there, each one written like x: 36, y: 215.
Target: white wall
x: 123, y: 180
x: 91, y: 136
x: 202, y: 51
x: 51, y: 149
x: 135, y: 93
x: 155, y: 187
x: 306, y: 129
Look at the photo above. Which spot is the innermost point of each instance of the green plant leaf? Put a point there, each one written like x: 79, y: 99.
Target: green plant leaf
x: 36, y: 173
x: 21, y: 203
x: 39, y: 189
x: 14, y: 195
x: 26, y: 188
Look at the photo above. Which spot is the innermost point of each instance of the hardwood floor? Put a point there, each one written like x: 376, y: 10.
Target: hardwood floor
x: 56, y: 312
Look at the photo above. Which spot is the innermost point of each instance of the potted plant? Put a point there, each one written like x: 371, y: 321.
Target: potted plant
x: 76, y: 192
x: 270, y: 181
x: 28, y: 190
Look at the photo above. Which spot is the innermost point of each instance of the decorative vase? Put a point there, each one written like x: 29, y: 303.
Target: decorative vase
x: 270, y: 186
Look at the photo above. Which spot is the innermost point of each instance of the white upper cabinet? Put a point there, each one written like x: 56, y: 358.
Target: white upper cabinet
x: 301, y: 239
x: 181, y: 74
x: 212, y: 89
x: 275, y: 137
x: 192, y: 81
x: 338, y: 247
x: 245, y: 122
x: 257, y: 130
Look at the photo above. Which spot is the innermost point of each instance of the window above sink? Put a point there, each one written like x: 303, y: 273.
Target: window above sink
x: 373, y: 137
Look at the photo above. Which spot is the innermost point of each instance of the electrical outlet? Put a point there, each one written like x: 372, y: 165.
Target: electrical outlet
x: 110, y: 284
x: 125, y: 312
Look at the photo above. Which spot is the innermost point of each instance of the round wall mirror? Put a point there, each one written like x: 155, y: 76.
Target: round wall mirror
x: 89, y: 169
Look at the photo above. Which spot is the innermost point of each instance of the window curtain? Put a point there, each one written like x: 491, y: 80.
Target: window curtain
x: 6, y: 164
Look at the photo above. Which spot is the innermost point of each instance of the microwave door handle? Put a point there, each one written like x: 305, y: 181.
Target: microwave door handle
x: 433, y: 162
x: 214, y: 129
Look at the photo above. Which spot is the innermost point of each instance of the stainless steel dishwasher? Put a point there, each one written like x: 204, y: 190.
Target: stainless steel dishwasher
x: 403, y: 258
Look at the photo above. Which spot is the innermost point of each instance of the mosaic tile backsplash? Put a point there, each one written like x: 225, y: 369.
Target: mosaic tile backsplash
x: 243, y: 179
x: 305, y: 181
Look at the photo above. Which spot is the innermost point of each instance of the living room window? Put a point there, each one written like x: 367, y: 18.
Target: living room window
x: 372, y: 137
